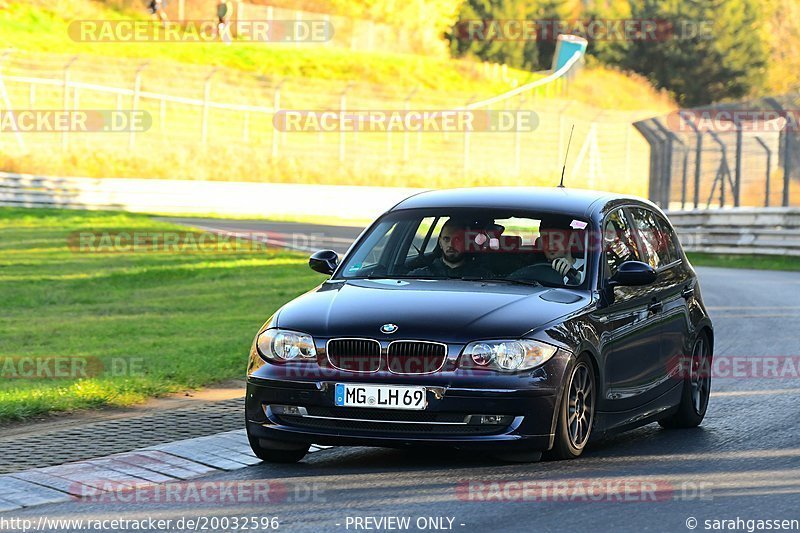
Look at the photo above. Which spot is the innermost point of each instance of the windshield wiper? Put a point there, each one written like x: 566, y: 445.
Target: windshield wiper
x: 387, y: 276
x: 528, y: 282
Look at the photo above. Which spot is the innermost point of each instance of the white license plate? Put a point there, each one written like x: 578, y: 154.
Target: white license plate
x: 380, y: 396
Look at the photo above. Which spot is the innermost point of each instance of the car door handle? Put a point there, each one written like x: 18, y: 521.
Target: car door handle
x: 687, y: 292
x: 655, y: 307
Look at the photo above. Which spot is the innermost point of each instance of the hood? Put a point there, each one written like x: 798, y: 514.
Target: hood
x: 446, y: 310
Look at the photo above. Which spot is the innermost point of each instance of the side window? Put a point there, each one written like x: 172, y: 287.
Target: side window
x: 646, y: 226
x: 430, y: 246
x: 619, y: 244
x: 424, y: 232
x: 670, y: 240
x: 656, y: 236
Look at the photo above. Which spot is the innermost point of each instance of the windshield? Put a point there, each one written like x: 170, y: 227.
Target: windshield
x: 514, y: 247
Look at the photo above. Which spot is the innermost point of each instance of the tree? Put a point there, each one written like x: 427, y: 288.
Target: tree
x: 725, y: 58
x: 476, y: 35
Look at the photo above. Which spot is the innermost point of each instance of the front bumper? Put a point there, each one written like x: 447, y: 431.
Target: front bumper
x: 528, y: 400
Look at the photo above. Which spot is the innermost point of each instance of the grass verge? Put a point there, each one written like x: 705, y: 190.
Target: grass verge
x: 758, y: 262
x: 158, y: 322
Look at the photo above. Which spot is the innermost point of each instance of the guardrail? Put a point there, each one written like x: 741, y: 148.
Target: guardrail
x: 187, y: 196
x: 766, y: 231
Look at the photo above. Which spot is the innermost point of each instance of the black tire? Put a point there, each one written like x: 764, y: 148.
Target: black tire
x: 696, y: 388
x: 277, y: 451
x: 576, y: 412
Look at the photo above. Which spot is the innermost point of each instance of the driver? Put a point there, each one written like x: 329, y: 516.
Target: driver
x: 556, y: 237
x: 454, y: 261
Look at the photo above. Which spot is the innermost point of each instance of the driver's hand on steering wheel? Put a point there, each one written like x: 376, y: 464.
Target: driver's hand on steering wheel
x: 561, y: 265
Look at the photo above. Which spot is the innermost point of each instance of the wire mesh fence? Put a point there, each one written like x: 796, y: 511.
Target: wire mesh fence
x: 197, y: 112
x: 737, y: 154
x: 349, y: 33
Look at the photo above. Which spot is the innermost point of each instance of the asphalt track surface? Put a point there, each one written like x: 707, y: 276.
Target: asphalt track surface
x: 742, y: 464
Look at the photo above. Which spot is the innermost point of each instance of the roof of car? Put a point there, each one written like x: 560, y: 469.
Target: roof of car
x: 548, y: 199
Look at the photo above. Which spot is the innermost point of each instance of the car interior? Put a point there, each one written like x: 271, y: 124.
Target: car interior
x: 502, y: 246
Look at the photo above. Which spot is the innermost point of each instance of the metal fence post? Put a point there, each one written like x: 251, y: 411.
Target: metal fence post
x: 137, y: 87
x: 666, y: 181
x: 406, y: 108
x: 466, y: 158
x: 206, y: 100
x: 769, y: 170
x: 65, y: 134
x: 162, y: 116
x: 787, y: 167
x: 342, y: 108
x: 276, y: 107
x: 7, y: 101
x: 517, y: 144
x: 698, y: 162
x: 737, y: 184
x: 698, y: 159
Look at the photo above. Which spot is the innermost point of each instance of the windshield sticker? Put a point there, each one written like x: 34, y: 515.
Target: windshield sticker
x: 578, y: 224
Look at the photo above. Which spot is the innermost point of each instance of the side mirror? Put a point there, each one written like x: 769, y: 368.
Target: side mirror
x: 324, y: 261
x: 633, y: 273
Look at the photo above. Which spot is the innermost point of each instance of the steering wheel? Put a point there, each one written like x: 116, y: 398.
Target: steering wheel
x: 545, y: 273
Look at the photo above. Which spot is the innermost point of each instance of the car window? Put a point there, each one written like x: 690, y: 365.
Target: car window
x: 426, y: 234
x: 619, y: 243
x: 369, y: 254
x: 479, y: 243
x: 525, y: 229
x: 657, y: 241
x: 648, y: 230
x: 670, y: 241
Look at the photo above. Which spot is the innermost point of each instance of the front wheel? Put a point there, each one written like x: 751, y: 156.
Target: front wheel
x: 576, y: 412
x: 696, y: 388
x: 276, y: 451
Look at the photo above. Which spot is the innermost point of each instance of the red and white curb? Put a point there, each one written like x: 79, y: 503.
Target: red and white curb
x: 165, y: 463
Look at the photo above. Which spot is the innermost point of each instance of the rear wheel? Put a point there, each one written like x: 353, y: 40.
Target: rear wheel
x: 696, y: 388
x: 576, y: 412
x: 273, y: 451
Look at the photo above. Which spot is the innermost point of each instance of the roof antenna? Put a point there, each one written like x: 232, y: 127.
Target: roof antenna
x: 564, y: 168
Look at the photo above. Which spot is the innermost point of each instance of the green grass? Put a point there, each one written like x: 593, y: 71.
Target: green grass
x: 758, y: 262
x: 186, y: 318
x: 42, y: 26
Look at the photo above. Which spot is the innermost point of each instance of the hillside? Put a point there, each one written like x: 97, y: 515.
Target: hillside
x: 235, y: 139
x: 42, y: 26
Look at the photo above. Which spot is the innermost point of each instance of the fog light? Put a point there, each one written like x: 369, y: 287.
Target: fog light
x: 288, y: 410
x: 495, y: 420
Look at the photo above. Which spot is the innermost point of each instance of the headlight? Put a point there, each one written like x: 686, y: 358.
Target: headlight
x: 282, y: 345
x: 507, y: 356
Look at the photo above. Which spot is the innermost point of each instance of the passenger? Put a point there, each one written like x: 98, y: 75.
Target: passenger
x: 454, y: 262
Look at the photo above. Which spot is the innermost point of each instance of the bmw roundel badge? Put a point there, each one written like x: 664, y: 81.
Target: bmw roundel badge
x: 389, y: 328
